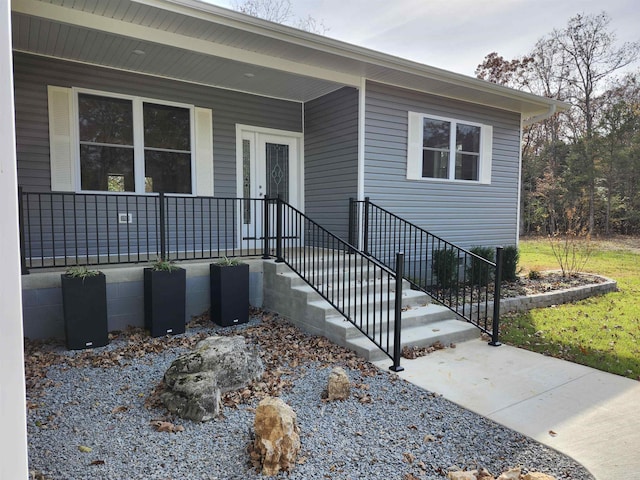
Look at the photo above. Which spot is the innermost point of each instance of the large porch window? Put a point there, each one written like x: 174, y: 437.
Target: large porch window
x: 134, y: 145
x: 107, y: 142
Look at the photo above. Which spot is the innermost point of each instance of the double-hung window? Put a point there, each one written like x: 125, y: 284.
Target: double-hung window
x: 130, y: 144
x: 448, y: 149
x: 105, y: 142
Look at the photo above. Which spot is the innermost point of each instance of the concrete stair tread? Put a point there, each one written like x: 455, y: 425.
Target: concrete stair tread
x: 409, y: 298
x: 444, y: 331
x: 341, y: 328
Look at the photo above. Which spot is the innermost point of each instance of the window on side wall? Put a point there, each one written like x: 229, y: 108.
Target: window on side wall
x: 134, y: 145
x: 447, y: 149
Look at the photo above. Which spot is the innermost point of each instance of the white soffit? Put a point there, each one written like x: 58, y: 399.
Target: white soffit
x: 198, y: 42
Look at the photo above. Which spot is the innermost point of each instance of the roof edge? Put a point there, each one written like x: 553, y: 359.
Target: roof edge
x: 320, y: 42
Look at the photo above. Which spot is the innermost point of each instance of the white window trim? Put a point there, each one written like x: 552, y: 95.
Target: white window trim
x: 138, y: 139
x: 415, y: 149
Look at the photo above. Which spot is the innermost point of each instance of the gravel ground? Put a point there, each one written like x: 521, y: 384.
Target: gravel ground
x: 388, y: 429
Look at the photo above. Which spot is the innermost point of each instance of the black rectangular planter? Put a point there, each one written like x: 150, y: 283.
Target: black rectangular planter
x: 229, y: 294
x: 84, y: 303
x: 164, y: 301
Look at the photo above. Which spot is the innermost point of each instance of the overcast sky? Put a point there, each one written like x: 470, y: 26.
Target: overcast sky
x: 457, y: 34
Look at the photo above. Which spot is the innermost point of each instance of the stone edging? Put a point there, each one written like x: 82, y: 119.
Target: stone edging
x: 540, y: 300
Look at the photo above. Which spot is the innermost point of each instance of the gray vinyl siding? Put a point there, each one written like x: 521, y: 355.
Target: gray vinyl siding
x: 60, y: 227
x: 32, y: 74
x: 468, y: 214
x: 331, y: 158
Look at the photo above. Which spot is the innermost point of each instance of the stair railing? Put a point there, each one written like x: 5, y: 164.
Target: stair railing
x: 464, y: 282
x: 366, y: 292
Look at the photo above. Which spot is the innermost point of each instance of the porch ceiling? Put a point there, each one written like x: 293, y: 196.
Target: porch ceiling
x: 193, y: 41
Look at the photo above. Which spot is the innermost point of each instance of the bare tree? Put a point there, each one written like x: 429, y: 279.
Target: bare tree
x: 591, y: 57
x: 279, y: 11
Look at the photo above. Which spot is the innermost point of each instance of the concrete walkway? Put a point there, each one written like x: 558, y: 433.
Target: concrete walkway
x: 592, y: 416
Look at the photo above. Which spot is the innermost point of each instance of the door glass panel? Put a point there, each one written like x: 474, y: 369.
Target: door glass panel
x: 246, y: 181
x: 277, y: 160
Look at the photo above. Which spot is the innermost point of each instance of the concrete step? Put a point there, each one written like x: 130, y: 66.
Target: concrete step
x: 354, y: 276
x: 443, y: 331
x: 340, y: 329
x: 423, y: 322
x: 355, y: 303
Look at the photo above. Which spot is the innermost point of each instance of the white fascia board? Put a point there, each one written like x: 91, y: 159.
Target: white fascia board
x: 117, y: 27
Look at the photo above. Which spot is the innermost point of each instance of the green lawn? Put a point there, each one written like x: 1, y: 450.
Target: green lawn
x: 601, y: 332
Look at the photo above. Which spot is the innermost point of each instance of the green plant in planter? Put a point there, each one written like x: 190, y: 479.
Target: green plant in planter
x: 161, y: 265
x: 81, y: 271
x: 228, y: 262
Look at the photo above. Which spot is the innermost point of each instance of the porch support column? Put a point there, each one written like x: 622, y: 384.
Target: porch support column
x: 362, y: 97
x: 13, y: 454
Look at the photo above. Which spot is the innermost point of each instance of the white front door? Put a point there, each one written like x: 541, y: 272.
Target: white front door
x: 269, y: 165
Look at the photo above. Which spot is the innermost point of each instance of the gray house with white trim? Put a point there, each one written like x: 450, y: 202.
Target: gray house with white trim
x: 119, y: 100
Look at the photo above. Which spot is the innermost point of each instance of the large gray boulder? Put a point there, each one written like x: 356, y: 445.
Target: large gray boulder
x: 195, y: 380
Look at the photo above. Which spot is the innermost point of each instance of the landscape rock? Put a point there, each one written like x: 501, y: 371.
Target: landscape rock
x: 484, y: 474
x: 277, y: 437
x: 338, y: 387
x: 511, y: 474
x: 537, y: 476
x: 195, y: 380
x: 462, y: 475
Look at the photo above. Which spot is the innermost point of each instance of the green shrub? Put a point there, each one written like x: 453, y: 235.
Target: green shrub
x: 510, y: 257
x: 478, y: 272
x: 445, y: 267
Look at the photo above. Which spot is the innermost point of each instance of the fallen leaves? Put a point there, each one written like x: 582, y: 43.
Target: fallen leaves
x: 164, y: 426
x: 412, y: 353
x: 41, y: 355
x: 85, y: 449
x: 408, y: 457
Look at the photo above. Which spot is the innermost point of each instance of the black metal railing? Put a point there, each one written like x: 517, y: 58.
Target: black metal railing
x: 66, y: 229
x: 366, y: 292
x: 464, y: 282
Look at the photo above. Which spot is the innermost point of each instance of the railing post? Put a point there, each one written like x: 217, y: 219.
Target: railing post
x: 279, y: 258
x: 352, y: 220
x: 496, y: 300
x: 23, y: 257
x: 265, y: 229
x: 163, y: 245
x: 397, y: 321
x: 365, y: 227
